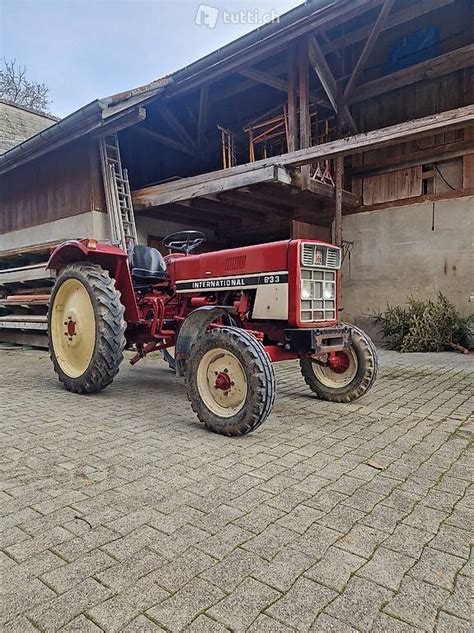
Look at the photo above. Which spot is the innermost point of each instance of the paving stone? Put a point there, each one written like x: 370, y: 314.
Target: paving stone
x: 64, y: 578
x: 386, y: 624
x: 118, y: 576
x: 327, y: 624
x: 459, y: 603
x: 386, y: 568
x: 183, y: 515
x: 269, y: 542
x: 437, y: 568
x: 301, y: 604
x: 221, y: 544
x: 417, y: 603
x: 178, y: 611
x: 448, y: 623
x: 362, y: 540
x: 283, y: 570
x: 359, y: 604
x: 408, y: 540
x: 51, y: 615
x: 335, y: 568
x: 265, y: 624
x: 242, y: 607
x: 453, y: 541
x: 204, y: 624
x: 230, y: 572
x: 26, y: 548
x: 142, y: 624
x: 120, y: 610
x: 81, y: 624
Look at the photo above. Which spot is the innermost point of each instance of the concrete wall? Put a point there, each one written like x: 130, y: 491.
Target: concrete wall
x: 413, y: 250
x: 92, y: 224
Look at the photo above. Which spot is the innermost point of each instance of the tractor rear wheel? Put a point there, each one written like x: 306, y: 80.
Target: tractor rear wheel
x: 348, y: 374
x: 86, y: 328
x: 230, y: 381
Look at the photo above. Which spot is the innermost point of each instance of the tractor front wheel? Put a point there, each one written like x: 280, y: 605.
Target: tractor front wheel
x: 346, y: 375
x: 230, y: 381
x: 86, y: 328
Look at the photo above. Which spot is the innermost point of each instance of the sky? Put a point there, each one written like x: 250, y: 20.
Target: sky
x: 87, y: 49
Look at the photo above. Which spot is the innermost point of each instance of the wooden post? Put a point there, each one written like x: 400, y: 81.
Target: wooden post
x: 339, y: 185
x: 292, y: 99
x: 305, y: 121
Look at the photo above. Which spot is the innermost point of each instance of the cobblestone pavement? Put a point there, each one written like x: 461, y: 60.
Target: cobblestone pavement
x: 120, y: 512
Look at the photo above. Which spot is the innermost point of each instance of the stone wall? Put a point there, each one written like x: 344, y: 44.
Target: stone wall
x: 18, y: 123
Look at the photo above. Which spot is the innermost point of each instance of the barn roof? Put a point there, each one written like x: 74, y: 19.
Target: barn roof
x: 99, y: 112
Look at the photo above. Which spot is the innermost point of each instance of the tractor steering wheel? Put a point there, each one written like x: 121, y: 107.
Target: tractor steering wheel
x: 184, y: 241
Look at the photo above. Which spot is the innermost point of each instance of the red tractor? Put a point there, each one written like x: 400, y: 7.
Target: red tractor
x: 228, y: 315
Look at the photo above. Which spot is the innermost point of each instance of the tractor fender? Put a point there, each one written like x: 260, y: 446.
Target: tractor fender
x: 111, y: 258
x: 193, y: 327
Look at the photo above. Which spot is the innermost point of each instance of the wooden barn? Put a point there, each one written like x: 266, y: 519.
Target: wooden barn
x: 349, y: 121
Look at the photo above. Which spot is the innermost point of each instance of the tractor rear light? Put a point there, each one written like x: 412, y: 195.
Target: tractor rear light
x: 91, y: 243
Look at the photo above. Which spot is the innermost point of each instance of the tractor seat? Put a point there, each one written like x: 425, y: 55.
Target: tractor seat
x: 147, y: 265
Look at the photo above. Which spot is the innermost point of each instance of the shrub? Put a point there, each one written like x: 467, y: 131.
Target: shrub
x: 424, y: 326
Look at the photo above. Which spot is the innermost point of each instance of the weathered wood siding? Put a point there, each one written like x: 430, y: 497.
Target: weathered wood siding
x: 60, y: 184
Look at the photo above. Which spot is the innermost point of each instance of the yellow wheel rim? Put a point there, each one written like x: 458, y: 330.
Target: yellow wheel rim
x: 73, y: 328
x: 222, y: 382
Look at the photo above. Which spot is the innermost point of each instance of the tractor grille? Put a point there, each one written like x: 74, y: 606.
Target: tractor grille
x: 318, y: 295
x: 320, y: 255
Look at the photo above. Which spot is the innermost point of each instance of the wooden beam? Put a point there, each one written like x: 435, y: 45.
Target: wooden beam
x: 324, y: 73
x: 194, y: 188
x: 435, y: 154
x: 429, y: 69
x: 305, y: 120
x: 292, y: 99
x: 359, y: 143
x: 411, y: 12
x: 264, y: 78
x: 339, y: 187
x: 164, y: 140
x: 202, y: 117
x: 368, y: 47
x: 176, y: 125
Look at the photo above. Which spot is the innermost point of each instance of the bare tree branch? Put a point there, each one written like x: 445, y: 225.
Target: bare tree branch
x: 15, y: 87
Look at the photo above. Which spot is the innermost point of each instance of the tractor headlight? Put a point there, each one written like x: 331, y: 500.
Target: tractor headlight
x: 306, y: 289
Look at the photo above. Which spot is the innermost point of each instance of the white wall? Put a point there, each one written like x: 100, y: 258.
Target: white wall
x: 92, y: 224
x: 419, y: 250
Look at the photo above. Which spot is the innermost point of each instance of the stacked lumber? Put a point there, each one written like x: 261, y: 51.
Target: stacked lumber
x: 25, y: 288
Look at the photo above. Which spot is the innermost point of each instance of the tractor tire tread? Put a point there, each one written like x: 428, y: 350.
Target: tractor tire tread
x: 110, y: 329
x: 263, y: 375
x: 368, y: 357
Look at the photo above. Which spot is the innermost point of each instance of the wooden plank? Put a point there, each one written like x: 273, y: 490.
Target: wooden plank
x: 33, y: 339
x: 324, y: 73
x: 368, y: 47
x: 413, y: 11
x: 338, y: 178
x: 202, y: 116
x: 175, y: 124
x: 22, y: 325
x: 429, y: 155
x: 292, y: 99
x: 397, y: 185
x: 429, y: 69
x: 305, y: 120
x: 264, y: 78
x: 164, y: 140
x: 468, y: 162
x: 152, y: 197
x: 451, y: 119
x: 24, y: 273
